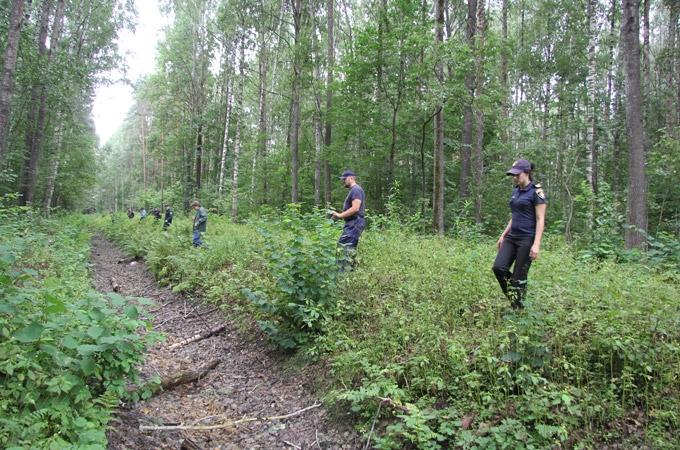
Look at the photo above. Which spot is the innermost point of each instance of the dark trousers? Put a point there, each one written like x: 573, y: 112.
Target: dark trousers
x: 514, y: 249
x: 348, y: 242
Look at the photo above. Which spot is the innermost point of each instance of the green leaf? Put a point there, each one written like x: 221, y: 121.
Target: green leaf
x: 95, y: 331
x: 31, y: 333
x: 132, y: 312
x: 88, y: 366
x: 70, y: 342
x: 116, y: 299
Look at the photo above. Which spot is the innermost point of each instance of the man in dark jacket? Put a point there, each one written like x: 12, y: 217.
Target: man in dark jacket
x: 167, y: 219
x: 200, y: 221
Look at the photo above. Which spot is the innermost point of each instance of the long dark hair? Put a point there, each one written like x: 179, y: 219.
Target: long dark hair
x: 533, y: 167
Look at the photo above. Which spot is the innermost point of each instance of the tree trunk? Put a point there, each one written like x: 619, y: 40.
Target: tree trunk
x: 9, y: 66
x: 330, y: 57
x: 672, y: 78
x: 31, y: 157
x: 295, y: 103
x: 439, y: 161
x: 262, y: 121
x: 239, y: 126
x: 225, y: 141
x: 199, y: 157
x: 591, y: 168
x: 637, y: 183
x: 54, y: 170
x: 468, y: 119
x: 504, y: 68
x: 479, y: 113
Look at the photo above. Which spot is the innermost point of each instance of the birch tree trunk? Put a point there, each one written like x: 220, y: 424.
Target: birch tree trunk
x: 478, y: 161
x: 466, y: 144
x: 295, y: 103
x: 439, y: 161
x: 225, y: 140
x: 9, y: 66
x: 330, y: 58
x: 239, y: 126
x: 54, y: 170
x: 591, y: 168
x: 637, y: 182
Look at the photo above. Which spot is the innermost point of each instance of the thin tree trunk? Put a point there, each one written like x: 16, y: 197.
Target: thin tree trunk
x: 199, y: 156
x: 262, y: 121
x: 478, y: 160
x: 298, y: 12
x: 504, y: 68
x: 591, y: 169
x: 468, y: 119
x: 637, y: 182
x: 439, y: 157
x: 54, y: 170
x: 330, y: 57
x: 225, y: 141
x: 239, y: 126
x: 672, y: 78
x: 9, y: 66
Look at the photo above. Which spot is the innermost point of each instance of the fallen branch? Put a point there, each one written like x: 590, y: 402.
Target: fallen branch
x: 127, y: 260
x: 188, y: 444
x: 225, y: 424
x: 198, y: 337
x: 188, y: 376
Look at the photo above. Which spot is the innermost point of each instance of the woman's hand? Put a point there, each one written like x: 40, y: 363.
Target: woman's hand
x: 499, y: 243
x: 533, y: 253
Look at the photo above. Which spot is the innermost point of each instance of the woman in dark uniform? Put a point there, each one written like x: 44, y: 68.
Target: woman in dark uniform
x: 520, y: 242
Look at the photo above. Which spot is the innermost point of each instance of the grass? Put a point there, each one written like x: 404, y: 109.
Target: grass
x: 422, y: 337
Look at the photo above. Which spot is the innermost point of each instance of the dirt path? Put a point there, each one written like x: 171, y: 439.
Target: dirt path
x: 251, y: 380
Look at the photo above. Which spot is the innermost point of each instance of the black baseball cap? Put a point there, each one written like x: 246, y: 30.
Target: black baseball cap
x: 347, y: 173
x: 519, y: 166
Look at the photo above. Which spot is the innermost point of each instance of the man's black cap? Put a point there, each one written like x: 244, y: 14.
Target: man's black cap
x: 347, y: 173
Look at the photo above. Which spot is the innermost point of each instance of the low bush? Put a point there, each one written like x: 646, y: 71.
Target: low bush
x: 66, y: 353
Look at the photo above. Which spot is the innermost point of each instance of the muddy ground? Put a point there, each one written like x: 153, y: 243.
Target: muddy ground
x: 251, y: 382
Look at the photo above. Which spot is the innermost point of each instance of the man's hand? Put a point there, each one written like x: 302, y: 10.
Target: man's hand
x: 499, y: 243
x: 336, y: 215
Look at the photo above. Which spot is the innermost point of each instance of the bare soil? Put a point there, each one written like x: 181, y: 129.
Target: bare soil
x: 252, y: 381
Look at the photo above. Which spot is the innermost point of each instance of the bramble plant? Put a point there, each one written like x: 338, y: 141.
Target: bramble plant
x: 67, y: 354
x: 302, y: 259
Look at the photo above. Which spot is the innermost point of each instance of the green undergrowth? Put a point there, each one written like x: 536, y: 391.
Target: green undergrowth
x: 67, y: 353
x: 423, y: 346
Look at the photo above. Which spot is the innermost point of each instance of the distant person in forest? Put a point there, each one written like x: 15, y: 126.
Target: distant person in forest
x: 167, y: 219
x: 200, y: 221
x: 520, y: 242
x: 353, y: 210
x: 142, y: 214
x: 156, y: 213
x: 130, y: 213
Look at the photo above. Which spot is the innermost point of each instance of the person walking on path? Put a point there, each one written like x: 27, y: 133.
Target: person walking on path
x: 520, y: 242
x: 200, y: 221
x: 167, y: 218
x: 353, y: 210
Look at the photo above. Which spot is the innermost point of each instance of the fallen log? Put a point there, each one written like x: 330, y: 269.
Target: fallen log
x: 198, y: 337
x: 189, y: 376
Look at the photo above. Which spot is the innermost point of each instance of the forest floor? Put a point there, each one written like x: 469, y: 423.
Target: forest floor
x: 252, y: 382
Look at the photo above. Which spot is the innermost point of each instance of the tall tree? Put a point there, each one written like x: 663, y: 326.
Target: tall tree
x: 330, y: 63
x: 468, y: 119
x: 637, y: 181
x: 294, y: 137
x: 9, y: 65
x: 478, y: 159
x: 439, y: 157
x: 240, y: 117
